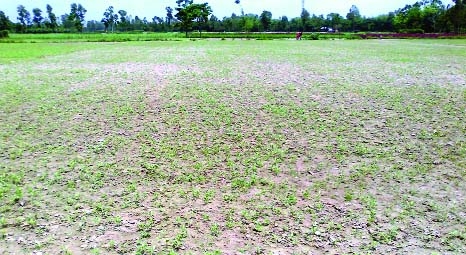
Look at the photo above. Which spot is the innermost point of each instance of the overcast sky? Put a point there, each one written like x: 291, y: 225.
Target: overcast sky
x: 221, y: 8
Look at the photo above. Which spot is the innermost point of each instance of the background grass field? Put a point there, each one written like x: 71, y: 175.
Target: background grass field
x: 233, y: 147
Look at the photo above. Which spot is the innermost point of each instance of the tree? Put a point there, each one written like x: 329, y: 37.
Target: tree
x: 457, y: 15
x: 109, y: 19
x: 266, y: 20
x: 188, y: 12
x: 282, y: 25
x: 24, y: 17
x: 431, y: 15
x: 305, y: 18
x: 138, y: 24
x: 169, y: 15
x: 4, y: 21
x: 214, y: 24
x: 157, y: 24
x: 201, y: 13
x: 37, y: 18
x: 186, y: 19
x: 93, y: 26
x: 250, y: 23
x: 124, y: 22
x: 381, y: 23
x: 316, y: 22
x: 334, y: 20
x: 77, y: 16
x: 353, y: 16
x: 52, y: 22
x: 65, y: 22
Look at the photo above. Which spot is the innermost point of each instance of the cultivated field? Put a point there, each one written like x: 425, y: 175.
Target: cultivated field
x: 233, y: 147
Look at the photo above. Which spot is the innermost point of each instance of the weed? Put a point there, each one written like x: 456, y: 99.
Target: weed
x: 177, y: 242
x: 215, y: 229
x: 142, y: 248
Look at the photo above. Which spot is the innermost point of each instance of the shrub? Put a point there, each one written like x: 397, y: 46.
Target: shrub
x: 314, y: 36
x: 412, y: 31
x: 354, y: 36
x: 4, y: 34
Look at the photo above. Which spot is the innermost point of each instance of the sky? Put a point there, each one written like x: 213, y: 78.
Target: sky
x: 221, y: 8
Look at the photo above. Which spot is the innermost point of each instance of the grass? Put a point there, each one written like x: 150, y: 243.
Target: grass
x: 213, y: 147
x: 169, y: 36
x: 91, y: 37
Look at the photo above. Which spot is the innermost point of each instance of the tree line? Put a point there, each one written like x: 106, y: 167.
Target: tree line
x: 429, y: 16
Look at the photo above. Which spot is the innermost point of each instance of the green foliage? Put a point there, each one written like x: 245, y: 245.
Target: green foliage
x: 76, y: 16
x: 5, y: 23
x: 51, y: 23
x: 4, y: 34
x: 266, y: 20
x: 313, y: 36
x: 412, y: 31
x: 143, y: 248
x: 188, y: 13
x: 110, y: 19
x: 24, y: 17
x: 351, y: 36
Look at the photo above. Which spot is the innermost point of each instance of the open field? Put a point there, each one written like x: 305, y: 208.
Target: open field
x: 233, y: 147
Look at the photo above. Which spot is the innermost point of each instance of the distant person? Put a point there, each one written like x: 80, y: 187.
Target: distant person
x: 299, y: 35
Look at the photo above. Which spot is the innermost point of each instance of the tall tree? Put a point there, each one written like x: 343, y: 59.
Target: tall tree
x: 137, y: 23
x: 4, y: 21
x: 201, y: 15
x: 431, y: 15
x: 24, y: 17
x: 109, y: 19
x: 266, y: 20
x: 37, y: 18
x: 334, y: 20
x: 124, y: 22
x: 353, y: 16
x: 77, y: 16
x: 457, y: 15
x: 66, y: 23
x: 52, y: 22
x: 188, y: 12
x: 305, y: 18
x: 184, y: 15
x: 169, y: 15
x: 283, y: 24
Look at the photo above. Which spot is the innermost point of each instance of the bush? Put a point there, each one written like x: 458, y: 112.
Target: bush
x: 313, y: 36
x: 4, y: 34
x: 354, y: 36
x: 412, y: 31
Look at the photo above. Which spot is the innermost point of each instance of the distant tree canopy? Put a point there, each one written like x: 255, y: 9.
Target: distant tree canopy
x: 5, y: 22
x: 109, y: 19
x: 76, y: 16
x: 354, y: 17
x: 24, y: 17
x: 190, y: 13
x: 427, y: 16
x: 37, y: 18
x: 266, y: 20
x: 52, y: 18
